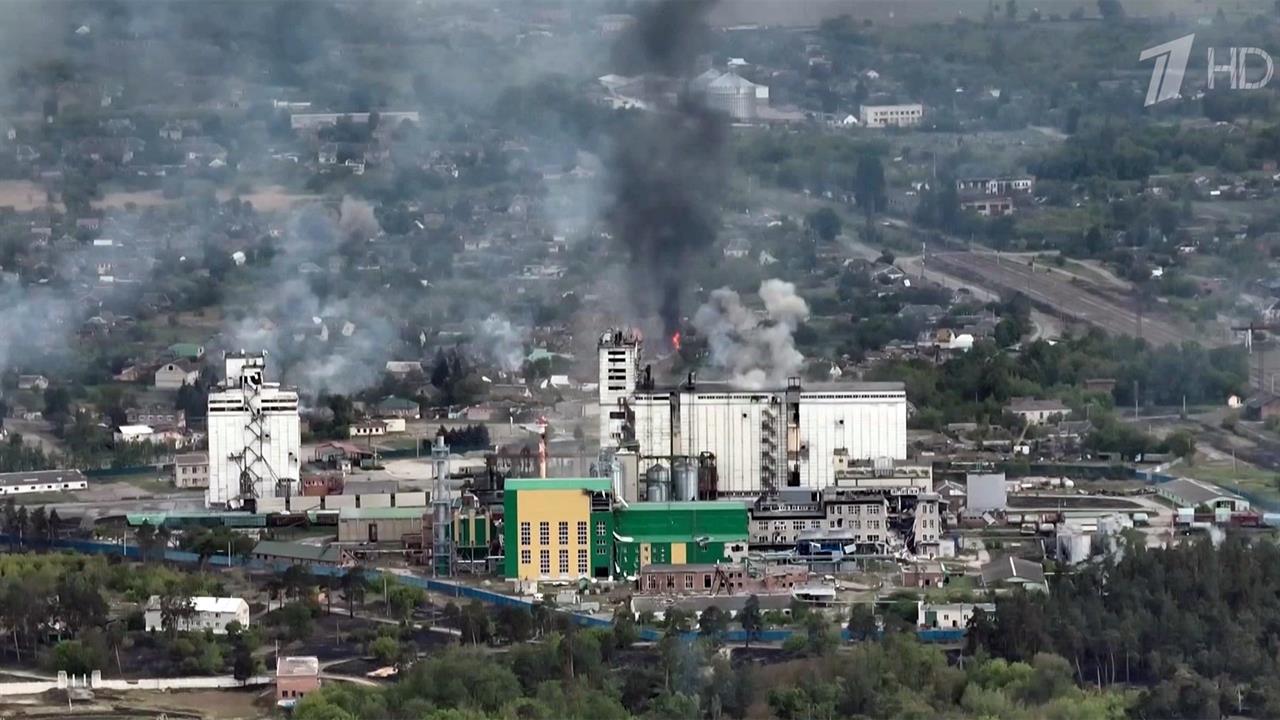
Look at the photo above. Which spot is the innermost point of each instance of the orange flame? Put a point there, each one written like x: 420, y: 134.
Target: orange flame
x: 675, y: 340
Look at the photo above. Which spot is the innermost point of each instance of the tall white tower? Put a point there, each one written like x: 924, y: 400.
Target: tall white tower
x: 255, y: 437
x: 619, y: 362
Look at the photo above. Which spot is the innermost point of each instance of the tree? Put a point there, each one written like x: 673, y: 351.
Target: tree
x: 385, y: 649
x: 713, y: 624
x: 862, y: 622
x: 869, y: 185
x: 819, y: 637
x: 1111, y: 9
x: 515, y: 624
x: 354, y: 587
x: 1182, y: 444
x: 824, y: 222
x: 402, y: 599
x: 625, y: 633
x: 1011, y: 10
x: 296, y: 619
x: 176, y: 610
x: 750, y: 618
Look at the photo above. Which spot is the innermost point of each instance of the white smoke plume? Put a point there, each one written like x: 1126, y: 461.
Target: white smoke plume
x: 501, y: 342
x: 356, y: 219
x: 317, y: 340
x: 758, y: 351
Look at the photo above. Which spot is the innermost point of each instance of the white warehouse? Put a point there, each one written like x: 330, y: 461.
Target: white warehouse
x: 255, y: 437
x: 770, y: 439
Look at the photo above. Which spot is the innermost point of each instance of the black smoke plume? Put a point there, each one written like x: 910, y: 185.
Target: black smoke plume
x: 667, y: 166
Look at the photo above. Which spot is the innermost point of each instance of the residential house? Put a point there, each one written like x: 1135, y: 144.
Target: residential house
x: 296, y: 677
x: 174, y: 375
x: 1037, y: 412
x: 402, y: 368
x: 191, y: 470
x: 212, y: 614
x: 924, y: 574
x: 1262, y: 406
x: 394, y: 407
x: 187, y: 351
x: 949, y: 615
x: 32, y: 382
x: 737, y: 248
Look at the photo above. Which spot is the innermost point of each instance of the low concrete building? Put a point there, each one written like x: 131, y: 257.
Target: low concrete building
x: 1013, y: 571
x: 210, y: 613
x: 710, y: 578
x: 367, y: 428
x: 949, y: 615
x: 16, y: 483
x: 191, y: 470
x: 153, y: 415
x: 295, y: 678
x: 280, y: 555
x: 879, y: 116
x: 378, y: 525
x: 1190, y: 493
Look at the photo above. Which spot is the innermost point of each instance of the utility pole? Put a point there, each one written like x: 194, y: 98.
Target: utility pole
x: 1135, y: 399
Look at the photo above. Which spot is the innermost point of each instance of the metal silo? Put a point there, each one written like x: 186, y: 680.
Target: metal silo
x: 658, y: 483
x: 684, y: 479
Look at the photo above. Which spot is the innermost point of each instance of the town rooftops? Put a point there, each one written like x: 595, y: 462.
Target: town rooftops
x: 588, y: 484
x: 40, y: 477
x: 195, y: 458
x: 300, y: 666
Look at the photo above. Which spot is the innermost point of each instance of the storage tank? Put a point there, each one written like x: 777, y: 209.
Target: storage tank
x: 657, y: 483
x: 684, y: 479
x: 708, y: 477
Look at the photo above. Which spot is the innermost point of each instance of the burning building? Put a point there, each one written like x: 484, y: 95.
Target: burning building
x: 761, y: 439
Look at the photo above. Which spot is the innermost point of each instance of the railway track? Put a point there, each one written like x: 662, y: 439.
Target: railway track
x: 1076, y: 300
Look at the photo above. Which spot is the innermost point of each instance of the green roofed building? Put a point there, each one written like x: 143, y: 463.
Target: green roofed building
x: 557, y: 528
x: 678, y: 533
x: 567, y: 528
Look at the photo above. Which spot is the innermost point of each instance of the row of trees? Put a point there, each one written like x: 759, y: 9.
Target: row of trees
x: 1194, y: 623
x: 572, y: 673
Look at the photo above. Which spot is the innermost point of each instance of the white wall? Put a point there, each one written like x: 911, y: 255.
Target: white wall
x: 868, y: 424
x: 281, y: 446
